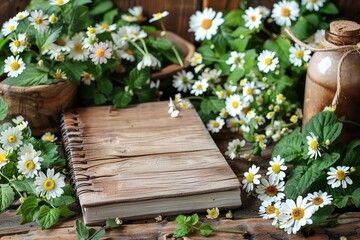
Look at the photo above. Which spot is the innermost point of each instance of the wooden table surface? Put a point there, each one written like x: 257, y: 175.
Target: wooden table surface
x: 245, y: 218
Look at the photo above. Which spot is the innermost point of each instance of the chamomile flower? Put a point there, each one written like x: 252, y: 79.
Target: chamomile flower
x: 77, y: 50
x: 14, y: 66
x: 236, y: 60
x: 50, y: 184
x: 21, y: 15
x: 39, y: 20
x: 252, y: 18
x: 158, y: 16
x: 251, y: 178
x: 267, y: 61
x: 182, y: 81
x: 299, y: 54
x: 233, y: 124
x: 212, y: 76
x: 91, y: 31
x: 214, y: 126
x: 29, y: 165
x: 277, y: 168
x: 223, y: 113
x: 59, y: 2
x: 338, y: 176
x: 22, y: 125
x: 100, y: 53
x: 284, y: 12
x: 269, y: 210
x: 261, y: 140
x: 313, y: 150
x: 264, y: 11
x: 205, y: 24
x: 104, y: 27
x: 16, y: 46
x: 185, y: 104
x: 329, y: 108
x: 313, y: 5
x: 126, y: 53
x: 137, y: 13
x: 135, y: 32
x: 128, y: 18
x: 9, y: 27
x: 233, y: 105
x: 87, y: 78
x: 319, y: 199
x: 199, y: 87
x: 249, y: 90
x: 53, y: 18
x: 271, y: 190
x: 294, y: 215
x: 234, y: 148
x: 196, y: 59
x: 213, y: 213
x: 3, y: 157
x: 280, y: 98
x: 148, y: 60
x: 28, y: 149
x: 48, y: 137
x: 11, y: 138
x: 60, y: 75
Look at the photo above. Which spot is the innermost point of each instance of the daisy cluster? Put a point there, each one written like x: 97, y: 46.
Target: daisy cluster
x: 245, y: 77
x: 29, y: 170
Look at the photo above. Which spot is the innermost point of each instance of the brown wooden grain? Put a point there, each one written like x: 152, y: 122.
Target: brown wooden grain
x: 9, y: 8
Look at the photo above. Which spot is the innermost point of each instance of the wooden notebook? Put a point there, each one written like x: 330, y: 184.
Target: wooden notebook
x: 138, y: 162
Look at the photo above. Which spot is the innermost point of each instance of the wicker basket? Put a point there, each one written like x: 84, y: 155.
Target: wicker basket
x: 40, y: 105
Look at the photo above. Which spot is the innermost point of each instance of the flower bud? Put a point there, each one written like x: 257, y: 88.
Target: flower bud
x: 20, y: 177
x: 327, y: 142
x: 229, y: 215
x: 40, y: 63
x: 119, y: 221
x: 352, y: 169
x: 158, y: 218
x: 60, y: 57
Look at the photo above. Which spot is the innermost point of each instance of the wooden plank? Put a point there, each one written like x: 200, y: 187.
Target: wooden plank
x: 9, y: 8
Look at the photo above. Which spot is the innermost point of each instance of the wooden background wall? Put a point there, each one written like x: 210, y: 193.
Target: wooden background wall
x: 181, y: 10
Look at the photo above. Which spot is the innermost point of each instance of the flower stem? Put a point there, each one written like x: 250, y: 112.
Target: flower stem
x: 173, y: 48
x: 213, y: 59
x: 143, y: 43
x: 12, y: 185
x: 229, y: 231
x: 348, y: 121
x: 137, y: 47
x: 267, y: 32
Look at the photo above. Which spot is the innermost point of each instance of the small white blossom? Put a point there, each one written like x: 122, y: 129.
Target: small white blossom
x: 39, y: 20
x: 148, y: 60
x: 216, y: 125
x: 299, y: 54
x: 284, y: 12
x: 319, y: 199
x: 158, y: 16
x: 205, y: 24
x: 313, y: 5
x: 234, y: 148
x: 267, y: 61
x: 338, y: 177
x: 251, y: 178
x: 252, y: 18
x: 277, y: 168
x: 182, y: 81
x: 236, y: 60
x: 199, y: 87
x: 9, y: 27
x: 313, y: 150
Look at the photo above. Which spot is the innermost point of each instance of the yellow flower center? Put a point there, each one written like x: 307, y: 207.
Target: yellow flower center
x: 198, y: 87
x: 249, y: 91
x: 293, y: 119
x: 49, y: 184
x: 215, y: 124
x: 253, y: 18
x: 271, y: 190
x: 213, y: 213
x: 313, y: 144
x: 3, y: 158
x: 129, y: 51
x: 157, y: 15
x: 340, y: 175
x: 312, y: 1
x: 16, y: 43
x: 104, y: 26
x: 12, y: 27
x: 317, y: 201
x: 29, y: 165
x: 20, y: 16
x: 86, y: 75
x: 59, y: 2
x: 100, y: 53
x: 52, y: 18
x: 285, y: 12
x: 58, y: 75
x: 61, y: 42
x: 275, y: 168
x: 206, y: 23
x: 78, y: 47
x: 49, y: 138
x: 268, y: 61
x: 297, y: 213
x: 299, y: 54
x: 235, y: 104
x: 270, y: 210
x: 250, y: 178
x: 39, y: 20
x: 277, y: 212
x: 91, y: 30
x: 11, y: 138
x: 259, y: 138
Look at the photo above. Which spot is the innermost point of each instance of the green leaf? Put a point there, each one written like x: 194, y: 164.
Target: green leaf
x: 250, y: 60
x: 111, y: 223
x: 301, y: 28
x: 180, y: 219
x: 10, y: 169
x: 7, y: 197
x: 105, y: 86
x: 309, y: 176
x: 205, y: 230
x: 290, y: 147
x: 139, y: 78
x: 28, y: 209
x: 206, y: 52
x: 294, y: 177
x: 233, y: 18
x: 322, y: 214
x: 101, y: 7
x: 281, y: 46
x: 241, y: 31
x: 82, y: 232
x: 146, y: 94
x: 98, y: 234
x: 181, y: 230
x: 329, y: 8
x: 162, y: 44
x: 122, y: 99
x: 99, y: 99
x: 65, y: 211
x: 314, y: 20
x: 25, y: 185
x: 109, y: 16
x: 47, y: 217
x: 3, y: 109
x: 46, y: 38
x: 235, y: 76
x: 326, y: 160
x: 324, y: 125
x: 31, y: 76
x: 81, y: 2
x: 240, y: 44
x: 77, y: 19
x: 352, y: 154
x: 73, y: 70
x: 341, y: 201
x: 356, y: 197
x: 212, y: 104
x: 220, y: 42
x: 194, y: 219
x: 149, y: 29
x: 62, y: 200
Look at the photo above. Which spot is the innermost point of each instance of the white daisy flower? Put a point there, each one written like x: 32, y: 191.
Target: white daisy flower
x: 229, y: 89
x: 126, y: 54
x: 338, y: 176
x: 199, y: 87
x: 58, y: 2
x: 137, y: 12
x: 14, y: 66
x: 11, y: 138
x: 269, y: 210
x: 49, y: 137
x: 249, y: 90
x: 18, y: 119
x: 22, y: 125
x: 234, y: 148
x: 252, y: 18
x: 59, y: 75
x: 319, y: 199
x: 158, y: 16
x: 50, y: 184
x: 299, y: 54
x: 104, y: 27
x: 294, y: 215
x: 3, y: 157
x: 223, y: 113
x: 205, y: 24
x: 134, y: 32
x: 212, y: 76
x: 280, y: 98
x: 213, y: 213
x: 16, y: 46
x: 29, y: 165
x: 271, y: 190
x: 236, y: 60
x: 77, y: 50
x: 9, y: 27
x: 91, y: 31
x: 264, y: 11
x: 261, y: 140
x: 284, y: 12
x: 233, y: 124
x: 185, y: 104
x: 87, y: 78
x: 313, y: 5
x: 277, y: 168
x: 53, y: 18
x: 28, y: 149
x: 314, y: 150
x: 196, y: 59
x: 198, y: 68
x: 267, y: 61
x: 251, y: 178
x: 233, y: 105
x: 214, y: 126
x: 39, y: 20
x: 182, y: 81
x: 100, y: 53
x: 128, y: 18
x: 21, y: 15
x: 148, y: 60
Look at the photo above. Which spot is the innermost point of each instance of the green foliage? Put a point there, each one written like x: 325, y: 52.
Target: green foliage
x: 32, y: 76
x: 3, y: 109
x: 46, y: 217
x: 6, y: 196
x: 84, y: 233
